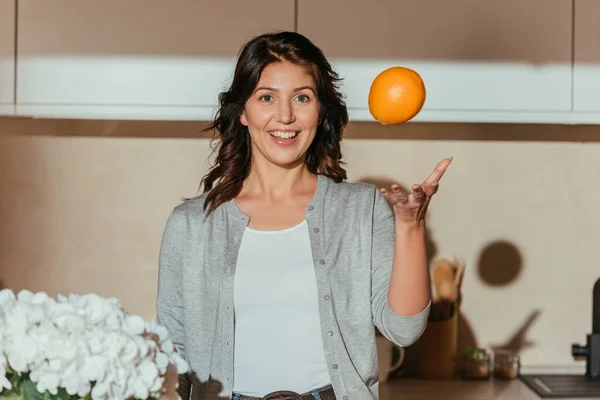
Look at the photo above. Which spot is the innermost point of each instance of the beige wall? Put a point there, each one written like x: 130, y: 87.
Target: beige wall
x: 83, y: 206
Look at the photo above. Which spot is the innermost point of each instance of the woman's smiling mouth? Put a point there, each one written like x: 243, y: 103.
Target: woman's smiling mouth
x: 285, y: 137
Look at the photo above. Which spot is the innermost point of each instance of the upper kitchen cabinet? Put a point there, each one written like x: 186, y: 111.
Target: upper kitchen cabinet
x: 586, y: 78
x: 147, y: 59
x: 482, y: 61
x: 7, y: 56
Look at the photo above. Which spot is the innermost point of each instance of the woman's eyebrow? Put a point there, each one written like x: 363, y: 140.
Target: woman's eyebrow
x: 277, y: 90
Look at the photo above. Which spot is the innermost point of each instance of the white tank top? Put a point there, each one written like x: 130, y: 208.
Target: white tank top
x: 278, y: 343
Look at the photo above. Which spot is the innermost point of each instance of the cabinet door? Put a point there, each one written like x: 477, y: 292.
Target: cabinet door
x: 474, y: 56
x: 7, y: 56
x: 586, y: 79
x: 134, y: 58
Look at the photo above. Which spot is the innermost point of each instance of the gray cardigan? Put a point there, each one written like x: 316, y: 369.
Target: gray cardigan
x: 352, y: 239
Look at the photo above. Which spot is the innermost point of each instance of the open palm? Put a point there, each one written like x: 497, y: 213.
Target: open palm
x: 412, y: 207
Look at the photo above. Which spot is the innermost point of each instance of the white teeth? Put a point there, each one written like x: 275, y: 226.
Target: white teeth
x: 283, y: 135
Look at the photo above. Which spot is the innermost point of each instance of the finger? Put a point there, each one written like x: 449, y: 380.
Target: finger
x: 418, y: 193
x: 396, y: 195
x: 432, y: 189
x: 438, y: 172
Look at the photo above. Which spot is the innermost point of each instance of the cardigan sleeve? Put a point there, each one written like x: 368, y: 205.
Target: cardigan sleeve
x: 401, y: 330
x: 169, y: 305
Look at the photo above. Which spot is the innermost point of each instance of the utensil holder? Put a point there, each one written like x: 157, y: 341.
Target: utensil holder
x: 438, y: 347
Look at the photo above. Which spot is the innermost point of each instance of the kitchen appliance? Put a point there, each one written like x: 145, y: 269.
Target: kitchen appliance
x: 591, y: 351
x: 588, y: 385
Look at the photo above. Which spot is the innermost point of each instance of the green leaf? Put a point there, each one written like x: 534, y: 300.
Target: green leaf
x: 10, y: 395
x: 13, y: 394
x: 61, y: 395
x: 29, y: 391
x: 25, y: 389
x: 15, y: 380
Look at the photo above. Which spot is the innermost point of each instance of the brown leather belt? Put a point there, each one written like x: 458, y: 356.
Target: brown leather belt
x: 326, y: 393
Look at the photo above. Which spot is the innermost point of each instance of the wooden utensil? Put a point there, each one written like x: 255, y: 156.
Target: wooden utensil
x: 460, y: 269
x: 446, y: 291
x: 443, y: 271
x: 458, y: 278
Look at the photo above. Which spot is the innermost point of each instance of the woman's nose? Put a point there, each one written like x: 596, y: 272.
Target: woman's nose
x: 285, y: 113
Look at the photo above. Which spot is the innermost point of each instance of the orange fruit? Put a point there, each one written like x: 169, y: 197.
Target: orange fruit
x: 397, y: 95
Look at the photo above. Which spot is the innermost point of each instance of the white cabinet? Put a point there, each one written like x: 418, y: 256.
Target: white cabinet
x: 482, y: 61
x: 504, y: 61
x: 146, y: 59
x: 7, y: 56
x: 586, y: 74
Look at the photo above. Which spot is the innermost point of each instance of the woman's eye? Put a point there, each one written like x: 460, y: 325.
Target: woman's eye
x: 266, y: 98
x: 303, y: 98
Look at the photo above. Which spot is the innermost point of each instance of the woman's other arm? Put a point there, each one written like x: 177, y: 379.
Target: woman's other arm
x: 169, y: 304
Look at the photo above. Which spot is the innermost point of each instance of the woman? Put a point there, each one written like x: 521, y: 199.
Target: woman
x: 272, y: 280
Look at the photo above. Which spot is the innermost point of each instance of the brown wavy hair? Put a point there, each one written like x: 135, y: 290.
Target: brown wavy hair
x: 234, y: 151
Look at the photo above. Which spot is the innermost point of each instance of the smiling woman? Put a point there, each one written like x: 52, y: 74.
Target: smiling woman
x: 272, y: 280
x: 283, y: 87
x: 282, y: 115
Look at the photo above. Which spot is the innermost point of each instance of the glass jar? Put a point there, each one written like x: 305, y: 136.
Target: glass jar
x: 507, y: 364
x: 475, y: 364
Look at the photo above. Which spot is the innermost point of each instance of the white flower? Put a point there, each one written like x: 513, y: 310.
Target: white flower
x: 86, y: 344
x: 94, y: 368
x: 161, y: 331
x: 4, y: 382
x: 47, y: 378
x: 73, y: 383
x: 180, y: 364
x: 21, y: 353
x: 7, y: 299
x: 134, y: 325
x: 162, y: 362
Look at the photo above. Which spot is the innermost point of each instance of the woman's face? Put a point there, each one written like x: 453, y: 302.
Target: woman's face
x: 282, y: 114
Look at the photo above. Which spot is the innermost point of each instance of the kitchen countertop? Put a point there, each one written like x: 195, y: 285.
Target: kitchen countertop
x: 416, y: 389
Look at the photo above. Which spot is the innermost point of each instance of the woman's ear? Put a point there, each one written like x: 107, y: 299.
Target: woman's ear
x: 243, y: 118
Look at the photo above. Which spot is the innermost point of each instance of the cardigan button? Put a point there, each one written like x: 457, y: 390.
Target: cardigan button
x: 322, y: 262
x: 311, y: 208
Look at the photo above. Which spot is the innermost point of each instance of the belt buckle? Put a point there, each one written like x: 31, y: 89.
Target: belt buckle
x: 283, y: 395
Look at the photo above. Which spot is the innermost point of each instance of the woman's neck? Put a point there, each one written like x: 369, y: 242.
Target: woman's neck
x: 276, y: 184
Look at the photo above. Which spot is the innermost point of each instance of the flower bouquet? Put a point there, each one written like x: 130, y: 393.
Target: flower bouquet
x: 82, y: 347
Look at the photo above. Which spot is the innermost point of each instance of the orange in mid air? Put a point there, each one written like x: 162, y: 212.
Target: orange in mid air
x: 397, y: 95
